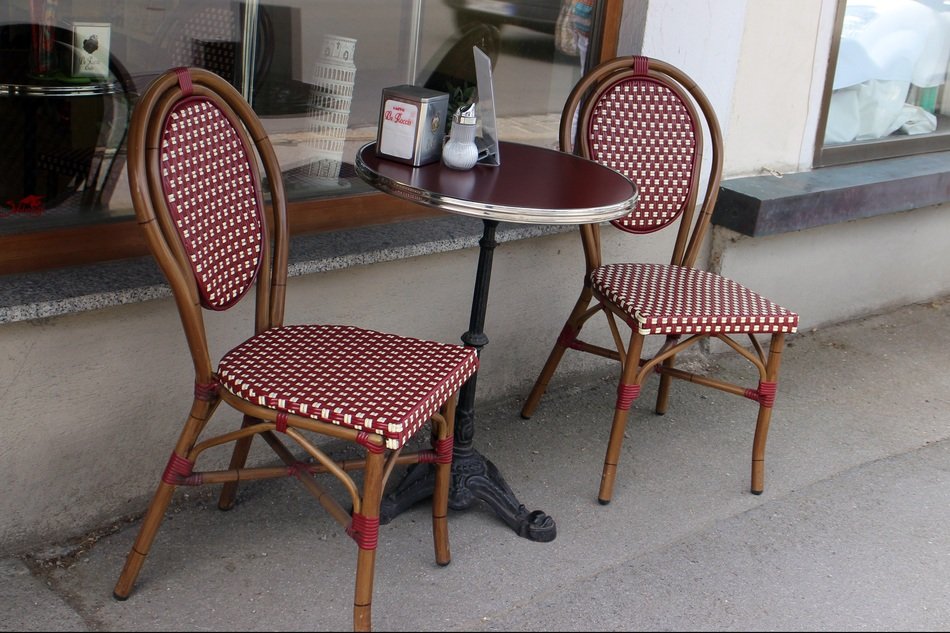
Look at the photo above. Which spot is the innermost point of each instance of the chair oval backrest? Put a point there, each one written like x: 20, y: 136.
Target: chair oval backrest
x: 214, y: 198
x: 645, y: 130
x: 195, y: 151
x: 650, y: 121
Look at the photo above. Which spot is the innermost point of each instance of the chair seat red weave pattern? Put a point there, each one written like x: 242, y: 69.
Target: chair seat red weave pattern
x: 665, y: 299
x: 311, y: 371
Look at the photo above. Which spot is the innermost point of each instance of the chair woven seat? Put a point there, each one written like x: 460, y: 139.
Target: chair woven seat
x: 310, y: 370
x: 672, y: 300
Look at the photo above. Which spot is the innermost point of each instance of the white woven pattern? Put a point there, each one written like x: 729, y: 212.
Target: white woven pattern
x: 214, y: 200
x: 665, y: 299
x: 642, y: 130
x: 382, y: 383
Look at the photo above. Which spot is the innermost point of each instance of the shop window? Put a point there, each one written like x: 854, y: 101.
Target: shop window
x: 886, y: 93
x: 314, y: 70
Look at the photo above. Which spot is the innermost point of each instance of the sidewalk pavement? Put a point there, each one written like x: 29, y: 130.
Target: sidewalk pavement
x: 851, y: 533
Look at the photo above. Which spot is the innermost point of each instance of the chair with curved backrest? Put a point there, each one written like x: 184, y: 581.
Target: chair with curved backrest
x: 194, y: 148
x: 650, y: 121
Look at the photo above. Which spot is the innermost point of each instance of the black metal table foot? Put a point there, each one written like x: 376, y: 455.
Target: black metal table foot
x: 417, y: 485
x: 473, y: 478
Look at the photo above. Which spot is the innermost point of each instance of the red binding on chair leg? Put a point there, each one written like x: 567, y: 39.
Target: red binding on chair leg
x: 767, y: 393
x: 568, y: 336
x: 443, y: 450
x: 441, y: 453
x: 362, y: 438
x: 626, y: 394
x: 764, y: 394
x: 178, y: 472
x: 206, y: 391
x: 294, y: 470
x: 280, y: 422
x: 364, y: 531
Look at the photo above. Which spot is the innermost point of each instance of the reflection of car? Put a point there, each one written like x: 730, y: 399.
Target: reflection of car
x: 538, y: 15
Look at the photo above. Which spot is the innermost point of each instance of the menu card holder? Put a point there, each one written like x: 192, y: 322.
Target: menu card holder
x: 487, y: 142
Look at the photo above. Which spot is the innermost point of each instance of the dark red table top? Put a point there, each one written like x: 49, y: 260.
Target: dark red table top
x: 532, y: 184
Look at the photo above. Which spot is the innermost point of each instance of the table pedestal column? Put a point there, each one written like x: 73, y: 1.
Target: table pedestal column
x: 473, y: 476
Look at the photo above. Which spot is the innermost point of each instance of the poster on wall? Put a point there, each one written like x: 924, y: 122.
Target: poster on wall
x: 91, y: 49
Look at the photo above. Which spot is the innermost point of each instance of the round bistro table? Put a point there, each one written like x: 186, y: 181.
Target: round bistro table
x: 532, y: 185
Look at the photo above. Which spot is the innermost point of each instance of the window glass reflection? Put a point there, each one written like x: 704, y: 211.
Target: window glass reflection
x: 891, y: 71
x: 314, y: 70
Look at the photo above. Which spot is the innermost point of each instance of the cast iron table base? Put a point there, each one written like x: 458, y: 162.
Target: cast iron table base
x: 473, y: 476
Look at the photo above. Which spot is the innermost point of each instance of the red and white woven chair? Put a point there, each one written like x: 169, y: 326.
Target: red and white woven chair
x: 649, y: 121
x: 194, y: 148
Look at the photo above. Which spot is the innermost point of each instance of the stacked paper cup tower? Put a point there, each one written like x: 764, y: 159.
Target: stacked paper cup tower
x: 330, y: 100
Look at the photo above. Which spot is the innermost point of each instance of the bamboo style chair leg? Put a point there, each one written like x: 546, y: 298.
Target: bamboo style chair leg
x: 143, y: 542
x: 765, y: 413
x: 663, y: 390
x: 367, y: 540
x: 440, y: 494
x: 627, y: 392
x: 571, y: 327
x: 201, y: 410
x: 242, y: 448
x: 369, y: 515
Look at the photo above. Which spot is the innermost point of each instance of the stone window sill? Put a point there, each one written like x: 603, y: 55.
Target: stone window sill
x: 769, y: 205
x: 35, y: 295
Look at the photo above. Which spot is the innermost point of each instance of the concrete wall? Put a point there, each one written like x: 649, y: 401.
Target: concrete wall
x: 93, y: 401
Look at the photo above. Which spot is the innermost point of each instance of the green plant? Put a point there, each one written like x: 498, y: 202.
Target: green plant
x: 459, y: 96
